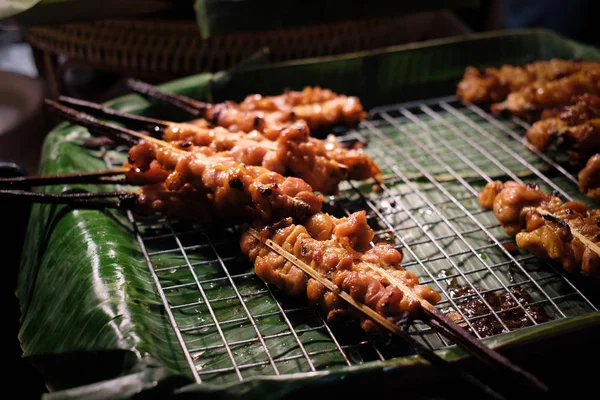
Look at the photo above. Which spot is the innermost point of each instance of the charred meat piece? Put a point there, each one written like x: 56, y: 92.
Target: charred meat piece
x: 529, y: 101
x: 494, y: 84
x: 580, y: 141
x: 589, y: 178
x: 546, y: 235
x: 229, y: 185
x: 576, y: 129
x: 555, y: 121
x: 270, y: 115
x: 584, y: 107
x: 290, y: 98
x: 322, y: 164
x: 514, y: 204
x: 541, y: 133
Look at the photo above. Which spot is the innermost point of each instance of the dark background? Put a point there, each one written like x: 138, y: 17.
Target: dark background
x: 562, y: 362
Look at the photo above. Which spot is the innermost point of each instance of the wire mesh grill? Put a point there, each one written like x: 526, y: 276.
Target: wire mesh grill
x: 436, y: 157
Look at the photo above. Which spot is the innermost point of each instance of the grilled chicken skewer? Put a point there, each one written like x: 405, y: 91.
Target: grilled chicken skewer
x: 589, y: 178
x: 566, y: 232
x: 228, y: 184
x: 555, y: 123
x: 329, y: 261
x: 575, y: 128
x: 322, y: 164
x: 339, y: 250
x: 153, y: 199
x: 268, y: 115
x: 581, y: 141
x: 494, y: 84
x: 185, y: 186
x: 529, y: 101
x: 583, y: 108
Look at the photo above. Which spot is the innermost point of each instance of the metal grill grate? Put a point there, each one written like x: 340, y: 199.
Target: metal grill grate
x: 436, y: 157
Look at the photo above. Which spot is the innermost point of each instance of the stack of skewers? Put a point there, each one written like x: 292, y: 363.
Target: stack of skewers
x: 563, y: 98
x: 256, y: 162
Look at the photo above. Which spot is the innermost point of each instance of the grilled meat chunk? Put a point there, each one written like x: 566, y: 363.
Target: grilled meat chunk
x: 494, y: 84
x: 336, y: 248
x: 589, y: 178
x: 547, y: 236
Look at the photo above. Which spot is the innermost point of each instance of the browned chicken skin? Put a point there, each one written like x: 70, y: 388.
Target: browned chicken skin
x: 294, y: 153
x: 541, y: 133
x: 589, y: 178
x: 583, y: 108
x: 530, y: 101
x: 576, y: 129
x: 289, y: 98
x: 581, y: 141
x: 494, y: 84
x: 321, y: 163
x: 184, y: 204
x: 337, y: 249
x: 555, y: 121
x: 320, y: 108
x: 229, y: 185
x: 515, y: 206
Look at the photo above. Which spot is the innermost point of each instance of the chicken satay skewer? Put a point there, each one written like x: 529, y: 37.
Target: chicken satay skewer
x: 125, y: 200
x: 328, y: 284
x: 322, y: 164
x: 531, y: 100
x: 267, y: 115
x: 554, y: 234
x: 494, y: 84
x: 432, y: 315
x: 589, y: 178
x: 584, y: 239
x: 264, y: 190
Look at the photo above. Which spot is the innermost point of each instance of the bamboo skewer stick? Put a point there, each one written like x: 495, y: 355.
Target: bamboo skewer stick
x: 83, y: 177
x: 195, y: 108
x: 104, y: 128
x: 115, y: 115
x: 87, y: 200
x: 462, y: 338
x: 328, y: 284
x: 151, y: 123
x: 116, y: 132
x: 587, y: 242
x: 436, y: 319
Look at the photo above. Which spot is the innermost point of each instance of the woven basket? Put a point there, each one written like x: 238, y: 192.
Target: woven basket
x: 165, y: 49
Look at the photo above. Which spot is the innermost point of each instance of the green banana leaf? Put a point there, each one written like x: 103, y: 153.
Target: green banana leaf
x: 218, y: 17
x: 94, y: 324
